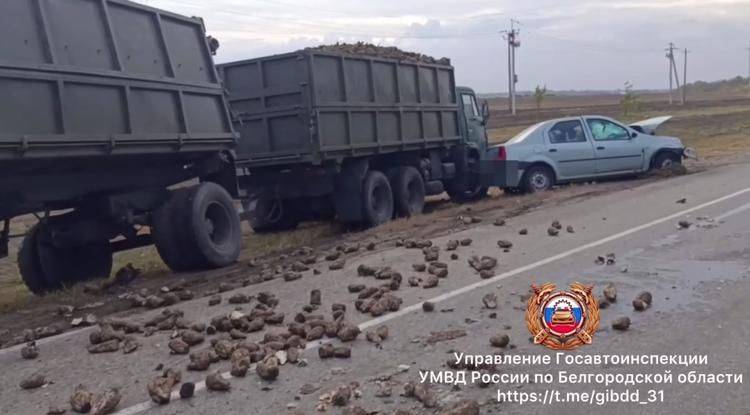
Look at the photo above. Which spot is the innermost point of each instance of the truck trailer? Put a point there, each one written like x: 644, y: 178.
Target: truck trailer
x: 117, y: 131
x: 103, y: 106
x: 359, y: 138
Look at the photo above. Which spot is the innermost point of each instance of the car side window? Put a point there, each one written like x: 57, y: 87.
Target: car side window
x: 603, y: 130
x: 470, y: 106
x: 567, y: 132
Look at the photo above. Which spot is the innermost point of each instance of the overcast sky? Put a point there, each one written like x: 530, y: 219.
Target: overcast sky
x: 566, y: 44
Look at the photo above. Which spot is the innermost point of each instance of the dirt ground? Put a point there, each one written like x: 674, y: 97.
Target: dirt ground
x: 717, y: 128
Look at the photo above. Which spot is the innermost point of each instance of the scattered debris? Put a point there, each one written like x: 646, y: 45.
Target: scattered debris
x: 428, y: 307
x: 556, y: 224
x: 80, y: 401
x: 30, y: 351
x: 215, y: 382
x: 484, y: 264
x: 268, y: 368
x: 682, y: 201
x: 315, y: 297
x: 642, y: 301
x: 499, y: 340
x: 684, y: 224
x: 610, y: 293
x: 523, y: 231
x: 337, y: 265
x: 621, y: 323
x: 187, y: 390
x: 490, y: 301
x: 499, y: 222
x: 105, y: 403
x: 553, y: 231
x: 570, y: 229
x: 240, y: 360
x: 34, y: 381
x: 503, y: 244
x: 105, y: 347
x: 341, y: 395
x: 160, y: 388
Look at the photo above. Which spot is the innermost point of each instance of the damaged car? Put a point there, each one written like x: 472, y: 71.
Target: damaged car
x: 585, y: 147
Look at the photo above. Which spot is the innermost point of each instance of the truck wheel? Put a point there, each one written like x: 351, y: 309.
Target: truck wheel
x: 198, y: 228
x: 538, y: 179
x: 271, y: 215
x: 168, y: 231
x: 409, y: 192
x: 46, y: 267
x: 214, y: 225
x: 28, y: 264
x: 377, y: 199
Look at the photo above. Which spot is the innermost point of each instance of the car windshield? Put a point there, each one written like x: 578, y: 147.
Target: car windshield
x: 523, y: 134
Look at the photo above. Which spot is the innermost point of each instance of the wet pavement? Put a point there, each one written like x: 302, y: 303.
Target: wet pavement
x: 698, y: 278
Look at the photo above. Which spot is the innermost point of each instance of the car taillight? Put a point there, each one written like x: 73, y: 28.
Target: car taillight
x: 501, y: 153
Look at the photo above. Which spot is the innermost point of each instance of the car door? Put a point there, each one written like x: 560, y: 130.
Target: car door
x: 615, y: 150
x: 570, y: 149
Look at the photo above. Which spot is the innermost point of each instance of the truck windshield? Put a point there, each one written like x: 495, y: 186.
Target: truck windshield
x: 470, y: 107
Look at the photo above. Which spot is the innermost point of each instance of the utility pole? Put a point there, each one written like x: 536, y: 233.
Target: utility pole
x: 684, y: 77
x: 672, y: 71
x: 748, y: 63
x: 511, y: 36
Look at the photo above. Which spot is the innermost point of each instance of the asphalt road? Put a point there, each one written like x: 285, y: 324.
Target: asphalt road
x: 698, y: 278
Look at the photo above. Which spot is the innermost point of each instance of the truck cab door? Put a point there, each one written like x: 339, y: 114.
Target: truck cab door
x: 476, y: 134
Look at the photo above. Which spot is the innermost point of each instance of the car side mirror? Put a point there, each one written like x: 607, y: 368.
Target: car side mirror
x: 485, y: 111
x: 633, y: 134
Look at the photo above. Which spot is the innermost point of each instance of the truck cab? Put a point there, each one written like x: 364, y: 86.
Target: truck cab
x: 484, y: 165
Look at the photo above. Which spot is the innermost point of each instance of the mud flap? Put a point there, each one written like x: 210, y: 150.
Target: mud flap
x: 499, y: 173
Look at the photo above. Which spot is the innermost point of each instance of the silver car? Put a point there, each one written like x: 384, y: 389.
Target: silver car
x: 576, y: 148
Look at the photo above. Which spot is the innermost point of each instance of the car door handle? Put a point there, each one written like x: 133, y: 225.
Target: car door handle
x: 600, y: 148
x: 553, y: 150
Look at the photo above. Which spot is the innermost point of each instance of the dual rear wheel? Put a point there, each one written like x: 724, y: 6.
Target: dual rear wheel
x: 198, y: 228
x: 402, y: 195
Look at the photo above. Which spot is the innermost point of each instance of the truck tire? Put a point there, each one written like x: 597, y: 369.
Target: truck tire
x: 214, y: 225
x: 28, y: 264
x: 409, y: 192
x: 272, y: 215
x: 377, y: 199
x: 198, y: 228
x: 46, y: 267
x: 538, y: 179
x: 168, y: 231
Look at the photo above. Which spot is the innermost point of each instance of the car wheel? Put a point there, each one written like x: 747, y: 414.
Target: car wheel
x: 377, y: 199
x: 665, y: 161
x: 538, y: 179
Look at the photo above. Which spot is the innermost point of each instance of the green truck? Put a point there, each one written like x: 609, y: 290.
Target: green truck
x: 117, y: 131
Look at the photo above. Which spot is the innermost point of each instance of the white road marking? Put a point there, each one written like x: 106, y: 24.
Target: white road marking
x: 199, y: 386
